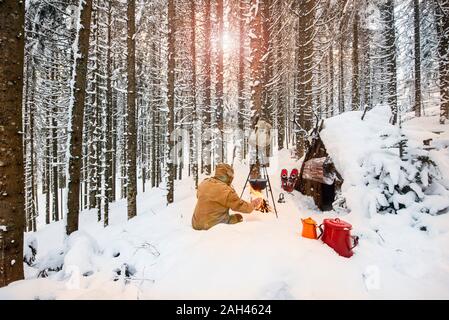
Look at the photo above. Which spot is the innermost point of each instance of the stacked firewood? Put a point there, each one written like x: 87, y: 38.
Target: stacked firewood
x: 319, y: 170
x: 264, y: 207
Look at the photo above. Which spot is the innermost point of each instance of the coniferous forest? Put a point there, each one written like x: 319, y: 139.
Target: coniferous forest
x: 112, y: 111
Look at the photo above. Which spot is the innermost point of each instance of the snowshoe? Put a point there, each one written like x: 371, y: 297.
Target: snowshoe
x: 284, y: 179
x: 292, y: 180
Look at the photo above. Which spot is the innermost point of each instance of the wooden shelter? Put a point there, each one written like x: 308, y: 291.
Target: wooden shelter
x: 318, y: 177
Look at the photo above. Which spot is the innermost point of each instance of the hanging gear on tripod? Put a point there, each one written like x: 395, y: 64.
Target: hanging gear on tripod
x: 259, y: 180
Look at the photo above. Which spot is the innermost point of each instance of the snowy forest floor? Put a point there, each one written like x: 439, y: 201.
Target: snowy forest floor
x: 157, y: 255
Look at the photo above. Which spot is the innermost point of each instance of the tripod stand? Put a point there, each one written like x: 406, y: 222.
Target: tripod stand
x: 267, y: 186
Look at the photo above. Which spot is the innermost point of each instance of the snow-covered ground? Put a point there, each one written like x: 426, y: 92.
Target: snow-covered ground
x: 157, y: 255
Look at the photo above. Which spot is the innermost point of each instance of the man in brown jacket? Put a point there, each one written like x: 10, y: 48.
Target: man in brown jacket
x: 215, y: 197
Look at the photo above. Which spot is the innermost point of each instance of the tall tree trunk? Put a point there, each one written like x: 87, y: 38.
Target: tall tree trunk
x: 305, y: 73
x: 124, y: 161
x: 355, y: 63
x: 267, y: 61
x: 170, y: 174
x: 12, y: 200
x: 417, y: 38
x: 207, y: 109
x: 219, y: 84
x: 91, y: 156
x: 366, y: 68
x: 341, y: 75
x: 109, y: 115
x: 241, y: 76
x: 332, y: 79
x: 193, y: 137
x: 35, y: 205
x: 48, y: 161
x: 158, y: 151
x: 98, y: 117
x: 91, y: 117
x: 442, y: 13
x: 54, y: 158
x: 77, y: 117
x: 155, y: 123
x: 114, y: 108
x: 28, y: 141
x: 281, y: 103
x: 390, y: 58
x: 131, y: 104
x: 256, y: 78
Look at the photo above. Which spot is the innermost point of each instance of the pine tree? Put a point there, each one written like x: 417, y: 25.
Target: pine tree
x: 193, y: 137
x: 12, y: 200
x: 241, y: 75
x: 256, y: 79
x: 355, y: 62
x: 388, y: 17
x: 109, y: 182
x: 207, y: 109
x: 417, y: 42
x: 131, y: 133
x: 219, y: 84
x: 170, y: 173
x: 442, y: 17
x: 303, y: 108
x: 77, y: 115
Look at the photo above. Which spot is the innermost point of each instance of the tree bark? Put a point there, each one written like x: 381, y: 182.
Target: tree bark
x: 341, y: 75
x: 417, y: 38
x: 131, y: 106
x: 35, y: 205
x: 332, y: 78
x: 54, y: 157
x: 355, y: 63
x: 256, y: 74
x: 170, y: 174
x: 241, y: 77
x: 442, y: 13
x: 77, y: 117
x: 219, y: 84
x: 267, y: 61
x: 207, y: 110
x: 154, y: 121
x: 281, y: 103
x: 12, y: 188
x: 98, y: 117
x: 193, y: 137
x: 109, y: 115
x: 305, y: 74
x: 390, y: 58
x: 48, y: 161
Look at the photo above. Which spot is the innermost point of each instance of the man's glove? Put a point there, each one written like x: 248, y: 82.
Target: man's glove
x: 257, y: 202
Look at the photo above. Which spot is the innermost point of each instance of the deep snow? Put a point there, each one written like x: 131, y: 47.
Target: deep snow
x: 157, y: 255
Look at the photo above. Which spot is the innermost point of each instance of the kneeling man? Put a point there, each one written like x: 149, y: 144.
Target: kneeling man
x: 215, y: 197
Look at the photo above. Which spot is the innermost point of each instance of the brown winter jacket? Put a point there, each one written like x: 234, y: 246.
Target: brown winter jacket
x: 215, y: 198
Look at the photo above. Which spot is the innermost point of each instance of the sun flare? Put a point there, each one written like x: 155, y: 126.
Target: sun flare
x: 228, y: 41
